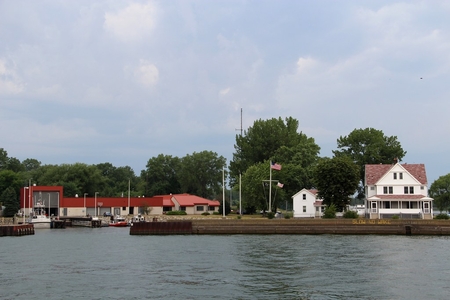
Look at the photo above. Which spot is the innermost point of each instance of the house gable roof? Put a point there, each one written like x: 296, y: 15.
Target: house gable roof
x: 374, y: 173
x: 313, y: 192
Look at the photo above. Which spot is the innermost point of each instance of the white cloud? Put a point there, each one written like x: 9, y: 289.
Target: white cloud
x: 146, y: 73
x: 223, y: 92
x: 132, y: 23
x: 9, y: 80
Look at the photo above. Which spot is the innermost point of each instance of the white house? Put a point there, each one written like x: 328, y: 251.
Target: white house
x: 306, y: 204
x: 398, y: 189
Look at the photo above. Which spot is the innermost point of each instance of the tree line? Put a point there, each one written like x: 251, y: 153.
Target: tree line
x: 278, y: 140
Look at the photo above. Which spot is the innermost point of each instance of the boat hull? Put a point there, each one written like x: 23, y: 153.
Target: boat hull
x: 41, y: 225
x: 119, y: 224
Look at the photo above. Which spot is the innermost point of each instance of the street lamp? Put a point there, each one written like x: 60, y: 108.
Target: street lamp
x: 85, y: 209
x: 24, y: 201
x: 95, y: 206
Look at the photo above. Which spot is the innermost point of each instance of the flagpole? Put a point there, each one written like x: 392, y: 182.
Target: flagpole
x: 223, y: 192
x: 270, y: 187
x: 128, y: 196
x: 240, y: 195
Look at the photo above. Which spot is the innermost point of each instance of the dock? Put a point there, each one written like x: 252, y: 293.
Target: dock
x: 81, y: 222
x: 16, y: 230
x: 294, y: 226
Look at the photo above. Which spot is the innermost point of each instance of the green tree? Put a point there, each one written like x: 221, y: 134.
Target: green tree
x: 30, y: 164
x: 261, y: 141
x: 369, y: 146
x: 336, y: 180
x: 10, y: 179
x: 440, y: 192
x: 10, y: 201
x: 3, y: 159
x: 201, y: 174
x: 162, y: 175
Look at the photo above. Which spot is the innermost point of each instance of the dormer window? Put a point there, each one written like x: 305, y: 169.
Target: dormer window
x: 395, y: 175
x: 400, y: 175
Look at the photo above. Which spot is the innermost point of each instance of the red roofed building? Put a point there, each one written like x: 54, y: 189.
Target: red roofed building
x: 194, y: 205
x: 54, y: 202
x: 399, y: 189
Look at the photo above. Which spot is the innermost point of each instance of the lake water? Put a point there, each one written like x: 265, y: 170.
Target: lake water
x: 108, y: 263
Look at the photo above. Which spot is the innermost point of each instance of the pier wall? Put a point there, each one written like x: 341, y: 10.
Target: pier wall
x: 282, y: 226
x: 16, y: 230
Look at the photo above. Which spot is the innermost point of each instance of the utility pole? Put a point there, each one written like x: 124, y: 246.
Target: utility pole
x: 240, y: 177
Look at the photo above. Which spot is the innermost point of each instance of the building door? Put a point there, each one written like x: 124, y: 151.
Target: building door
x: 373, y: 207
x: 426, y: 207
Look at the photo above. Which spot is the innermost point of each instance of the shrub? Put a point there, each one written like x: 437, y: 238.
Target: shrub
x: 239, y: 217
x: 176, y: 212
x: 350, y: 214
x: 216, y: 213
x: 288, y: 215
x: 330, y: 212
x: 395, y: 217
x: 270, y: 215
x: 442, y: 217
x: 205, y: 213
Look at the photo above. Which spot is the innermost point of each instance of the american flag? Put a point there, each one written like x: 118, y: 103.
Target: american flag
x: 280, y: 185
x: 275, y: 166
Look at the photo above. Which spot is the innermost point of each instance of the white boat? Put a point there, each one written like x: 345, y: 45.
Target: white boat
x: 39, y: 219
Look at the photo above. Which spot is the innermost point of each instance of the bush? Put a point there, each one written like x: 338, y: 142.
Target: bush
x: 395, y: 217
x: 442, y: 217
x: 216, y: 213
x: 176, y: 212
x: 270, y: 215
x: 350, y: 214
x: 330, y: 212
x: 288, y: 215
x: 205, y: 213
x: 239, y: 217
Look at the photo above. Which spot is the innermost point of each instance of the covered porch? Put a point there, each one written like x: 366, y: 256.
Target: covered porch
x: 402, y: 206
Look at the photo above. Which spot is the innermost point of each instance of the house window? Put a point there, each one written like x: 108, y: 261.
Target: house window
x: 408, y: 189
x: 422, y: 187
x: 385, y: 190
x: 211, y: 208
x: 183, y: 208
x: 387, y: 204
x: 323, y: 209
x: 372, y: 188
x: 167, y: 208
x: 304, y: 209
x: 304, y: 196
x: 124, y: 208
x: 200, y: 208
x: 400, y: 175
x: 395, y: 175
x: 391, y: 190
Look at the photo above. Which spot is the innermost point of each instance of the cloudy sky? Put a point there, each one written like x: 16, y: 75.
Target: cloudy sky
x: 123, y: 81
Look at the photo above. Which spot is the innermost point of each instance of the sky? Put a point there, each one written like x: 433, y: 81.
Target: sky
x: 124, y: 81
